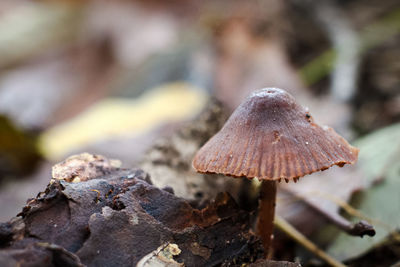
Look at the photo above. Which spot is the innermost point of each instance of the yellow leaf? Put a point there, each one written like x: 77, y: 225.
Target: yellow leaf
x: 121, y: 116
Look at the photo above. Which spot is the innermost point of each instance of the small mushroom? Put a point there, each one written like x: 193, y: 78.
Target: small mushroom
x: 270, y: 137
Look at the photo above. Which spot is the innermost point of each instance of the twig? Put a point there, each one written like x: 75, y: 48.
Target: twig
x: 283, y: 225
x: 356, y: 213
x: 356, y: 229
x: 360, y: 228
x: 348, y: 209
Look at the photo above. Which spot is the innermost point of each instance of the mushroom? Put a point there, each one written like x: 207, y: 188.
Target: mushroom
x: 270, y: 137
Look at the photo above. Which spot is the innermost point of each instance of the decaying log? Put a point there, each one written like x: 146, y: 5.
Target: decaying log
x: 268, y: 263
x: 121, y: 219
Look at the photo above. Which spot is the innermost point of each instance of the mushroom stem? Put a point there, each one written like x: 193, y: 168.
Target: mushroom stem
x: 266, y: 212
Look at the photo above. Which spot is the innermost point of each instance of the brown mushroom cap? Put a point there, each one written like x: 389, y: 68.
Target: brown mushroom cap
x: 270, y: 136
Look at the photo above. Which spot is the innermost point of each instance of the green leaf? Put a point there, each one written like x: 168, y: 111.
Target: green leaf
x: 380, y: 160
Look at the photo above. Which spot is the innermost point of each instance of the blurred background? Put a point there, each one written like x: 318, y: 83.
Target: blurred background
x: 111, y: 77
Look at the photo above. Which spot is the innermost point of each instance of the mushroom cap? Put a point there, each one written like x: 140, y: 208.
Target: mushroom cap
x: 270, y: 136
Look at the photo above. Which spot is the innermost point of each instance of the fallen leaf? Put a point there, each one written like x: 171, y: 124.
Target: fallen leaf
x: 119, y: 117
